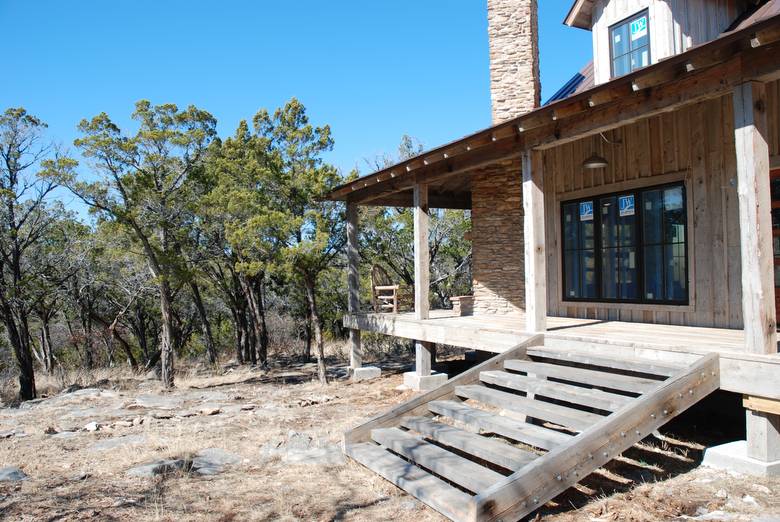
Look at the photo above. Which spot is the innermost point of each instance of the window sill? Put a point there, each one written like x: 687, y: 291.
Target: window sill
x: 647, y: 307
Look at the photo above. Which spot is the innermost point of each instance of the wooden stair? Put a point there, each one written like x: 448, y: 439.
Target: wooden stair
x: 504, y: 438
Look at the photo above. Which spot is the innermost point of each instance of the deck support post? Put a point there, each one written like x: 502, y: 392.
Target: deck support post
x: 760, y: 454
x: 359, y: 373
x: 422, y: 378
x: 423, y: 350
x: 533, y: 240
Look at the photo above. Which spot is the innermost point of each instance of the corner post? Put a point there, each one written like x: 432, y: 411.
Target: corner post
x: 353, y: 283
x: 359, y: 373
x: 534, y: 243
x: 755, y: 219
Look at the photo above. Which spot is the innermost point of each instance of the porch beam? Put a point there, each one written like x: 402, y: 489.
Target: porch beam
x: 620, y: 106
x: 534, y: 244
x: 353, y: 283
x: 755, y: 219
x: 422, y: 277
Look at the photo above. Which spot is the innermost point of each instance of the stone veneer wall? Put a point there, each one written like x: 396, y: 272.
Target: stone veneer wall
x: 514, y: 57
x: 497, y: 240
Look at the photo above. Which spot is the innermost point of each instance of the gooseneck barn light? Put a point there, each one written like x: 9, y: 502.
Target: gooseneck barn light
x: 595, y: 161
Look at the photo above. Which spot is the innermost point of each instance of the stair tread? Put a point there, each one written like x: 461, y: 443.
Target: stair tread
x: 491, y: 450
x: 566, y: 392
x: 636, y: 364
x: 514, y: 429
x: 597, y: 378
x: 429, y: 489
x: 447, y: 464
x: 562, y: 415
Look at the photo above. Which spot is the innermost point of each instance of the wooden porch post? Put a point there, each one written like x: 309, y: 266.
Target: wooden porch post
x: 422, y: 278
x: 353, y: 283
x: 535, y: 252
x: 422, y: 378
x: 421, y: 275
x: 755, y: 225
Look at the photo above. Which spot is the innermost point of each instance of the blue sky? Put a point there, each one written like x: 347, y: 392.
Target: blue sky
x: 372, y: 70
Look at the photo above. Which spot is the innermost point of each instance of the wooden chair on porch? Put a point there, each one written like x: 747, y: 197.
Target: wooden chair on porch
x: 385, y: 295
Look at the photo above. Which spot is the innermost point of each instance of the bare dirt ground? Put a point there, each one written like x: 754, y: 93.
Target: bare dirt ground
x: 284, y: 430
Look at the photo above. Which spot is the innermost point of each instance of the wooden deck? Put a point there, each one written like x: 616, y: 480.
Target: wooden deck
x: 741, y: 371
x: 496, y: 333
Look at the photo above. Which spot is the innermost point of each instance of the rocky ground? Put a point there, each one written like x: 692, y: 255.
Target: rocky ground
x: 263, y: 445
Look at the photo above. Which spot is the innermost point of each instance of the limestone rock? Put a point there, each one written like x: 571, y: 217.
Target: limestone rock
x: 12, y: 474
x: 158, y: 402
x: 300, y: 448
x: 92, y: 426
x: 211, y: 461
x: 118, y: 442
x: 160, y: 467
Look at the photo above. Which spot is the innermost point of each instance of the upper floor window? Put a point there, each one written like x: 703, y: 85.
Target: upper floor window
x: 630, y: 44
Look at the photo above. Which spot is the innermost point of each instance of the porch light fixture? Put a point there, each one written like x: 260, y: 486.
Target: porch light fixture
x: 595, y: 162
x: 599, y: 162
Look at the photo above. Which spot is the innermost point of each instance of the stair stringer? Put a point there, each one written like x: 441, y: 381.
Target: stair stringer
x: 546, y: 477
x: 419, y: 405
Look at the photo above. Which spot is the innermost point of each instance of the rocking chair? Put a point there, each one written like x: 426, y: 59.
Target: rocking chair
x: 385, y: 296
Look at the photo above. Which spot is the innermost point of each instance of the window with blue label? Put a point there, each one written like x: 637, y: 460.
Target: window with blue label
x: 629, y: 46
x: 627, y: 247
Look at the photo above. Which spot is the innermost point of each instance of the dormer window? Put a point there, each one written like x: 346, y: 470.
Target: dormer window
x: 630, y: 44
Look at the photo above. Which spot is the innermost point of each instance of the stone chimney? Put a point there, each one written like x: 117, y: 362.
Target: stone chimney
x: 514, y: 57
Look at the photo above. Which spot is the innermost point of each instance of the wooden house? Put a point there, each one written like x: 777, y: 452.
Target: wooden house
x: 625, y: 245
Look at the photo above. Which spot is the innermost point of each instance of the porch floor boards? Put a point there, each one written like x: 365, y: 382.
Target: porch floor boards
x: 498, y: 333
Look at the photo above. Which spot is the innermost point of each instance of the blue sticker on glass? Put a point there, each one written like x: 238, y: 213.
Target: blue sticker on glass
x: 638, y: 28
x: 586, y: 211
x: 626, y: 204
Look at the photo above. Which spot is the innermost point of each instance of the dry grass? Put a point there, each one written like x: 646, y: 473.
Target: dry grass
x: 71, y: 481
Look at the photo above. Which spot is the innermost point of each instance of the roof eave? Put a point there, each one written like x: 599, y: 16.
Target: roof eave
x: 544, y: 119
x: 577, y: 16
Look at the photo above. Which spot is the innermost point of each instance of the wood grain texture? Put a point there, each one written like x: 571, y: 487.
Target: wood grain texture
x: 524, y: 491
x: 755, y: 218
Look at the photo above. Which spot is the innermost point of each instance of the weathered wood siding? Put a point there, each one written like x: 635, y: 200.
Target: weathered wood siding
x: 773, y: 105
x: 695, y: 144
x: 675, y: 26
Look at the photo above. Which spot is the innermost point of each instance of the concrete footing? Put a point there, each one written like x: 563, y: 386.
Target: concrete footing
x: 733, y: 456
x: 424, y: 382
x: 365, y: 373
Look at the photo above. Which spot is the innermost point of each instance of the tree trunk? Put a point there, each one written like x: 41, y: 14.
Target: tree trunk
x: 20, y: 343
x: 167, y: 339
x: 118, y: 338
x: 260, y: 293
x: 204, y: 321
x: 108, y: 343
x: 311, y: 297
x: 307, y: 346
x: 86, y: 328
x: 48, y: 349
x: 239, y: 335
x: 251, y: 340
x: 138, y: 326
x: 255, y: 303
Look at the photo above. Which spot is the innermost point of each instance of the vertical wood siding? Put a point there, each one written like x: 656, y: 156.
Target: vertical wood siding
x: 696, y: 144
x: 675, y: 25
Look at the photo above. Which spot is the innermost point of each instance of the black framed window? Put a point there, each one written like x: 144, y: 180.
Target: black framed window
x: 629, y: 44
x: 627, y: 247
